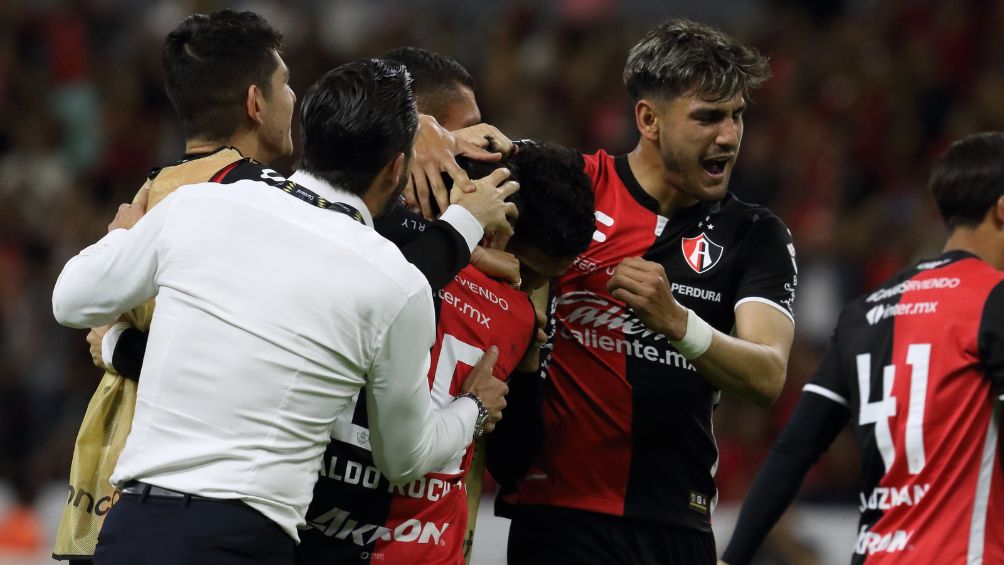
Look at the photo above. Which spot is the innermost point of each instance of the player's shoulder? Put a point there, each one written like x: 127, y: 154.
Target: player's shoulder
x: 595, y: 164
x: 749, y: 221
x: 494, y: 291
x: 737, y: 209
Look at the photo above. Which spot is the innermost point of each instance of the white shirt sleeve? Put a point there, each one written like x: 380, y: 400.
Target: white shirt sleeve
x: 112, y: 276
x: 408, y: 437
x: 464, y: 222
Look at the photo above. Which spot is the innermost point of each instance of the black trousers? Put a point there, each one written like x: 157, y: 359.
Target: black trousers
x: 155, y: 530
x: 546, y: 535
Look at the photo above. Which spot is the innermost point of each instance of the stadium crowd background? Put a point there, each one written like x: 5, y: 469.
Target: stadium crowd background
x: 864, y: 94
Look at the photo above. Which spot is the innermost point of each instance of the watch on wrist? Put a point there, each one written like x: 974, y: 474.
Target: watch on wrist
x: 479, y: 424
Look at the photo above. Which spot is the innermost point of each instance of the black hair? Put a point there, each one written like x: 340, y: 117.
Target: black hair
x: 681, y: 56
x: 354, y: 120
x: 209, y: 62
x: 435, y: 77
x: 555, y: 199
x: 969, y: 178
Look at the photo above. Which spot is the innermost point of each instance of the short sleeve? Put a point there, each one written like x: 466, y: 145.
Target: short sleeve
x: 991, y: 339
x: 770, y: 274
x: 828, y: 380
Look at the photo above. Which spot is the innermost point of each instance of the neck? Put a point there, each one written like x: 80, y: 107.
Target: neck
x: 247, y: 144
x: 650, y: 172
x: 982, y: 241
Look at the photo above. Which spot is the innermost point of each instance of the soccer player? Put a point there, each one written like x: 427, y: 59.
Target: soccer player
x: 356, y: 515
x: 917, y: 367
x: 684, y: 292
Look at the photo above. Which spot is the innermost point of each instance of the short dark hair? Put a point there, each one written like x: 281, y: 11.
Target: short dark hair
x: 354, y: 120
x: 209, y: 62
x: 434, y: 76
x: 681, y: 56
x: 969, y: 178
x: 557, y: 213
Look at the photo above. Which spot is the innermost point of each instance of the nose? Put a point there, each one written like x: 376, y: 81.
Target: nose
x: 729, y: 133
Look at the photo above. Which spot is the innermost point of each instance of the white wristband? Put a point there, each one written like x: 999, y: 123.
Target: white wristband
x: 697, y: 340
x: 109, y: 342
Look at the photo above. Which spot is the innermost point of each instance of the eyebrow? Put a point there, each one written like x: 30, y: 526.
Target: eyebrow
x: 708, y: 112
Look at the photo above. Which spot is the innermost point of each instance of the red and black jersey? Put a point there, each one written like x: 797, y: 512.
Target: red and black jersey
x: 627, y: 419
x: 919, y: 363
x: 356, y: 515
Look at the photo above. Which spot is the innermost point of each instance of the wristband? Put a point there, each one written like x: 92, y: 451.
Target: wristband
x: 697, y: 340
x: 109, y: 341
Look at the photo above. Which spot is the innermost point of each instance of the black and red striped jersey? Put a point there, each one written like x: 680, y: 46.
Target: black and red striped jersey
x: 356, y: 515
x: 919, y: 363
x: 627, y: 419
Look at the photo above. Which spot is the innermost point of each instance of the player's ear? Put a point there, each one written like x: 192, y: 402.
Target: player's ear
x: 398, y: 167
x: 997, y: 211
x: 254, y: 101
x: 646, y: 117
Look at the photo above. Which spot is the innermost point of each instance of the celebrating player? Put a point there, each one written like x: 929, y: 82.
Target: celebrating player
x: 685, y: 291
x: 356, y: 515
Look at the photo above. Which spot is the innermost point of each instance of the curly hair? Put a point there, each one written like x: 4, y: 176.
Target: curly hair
x: 555, y: 200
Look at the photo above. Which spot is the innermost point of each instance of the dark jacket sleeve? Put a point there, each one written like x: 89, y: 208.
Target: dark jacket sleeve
x: 807, y: 435
x: 519, y: 435
x: 128, y: 354
x: 436, y: 248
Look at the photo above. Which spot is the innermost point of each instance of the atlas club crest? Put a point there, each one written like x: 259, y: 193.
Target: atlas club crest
x: 701, y: 253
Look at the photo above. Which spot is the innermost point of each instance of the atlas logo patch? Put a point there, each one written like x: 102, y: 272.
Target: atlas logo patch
x: 701, y: 253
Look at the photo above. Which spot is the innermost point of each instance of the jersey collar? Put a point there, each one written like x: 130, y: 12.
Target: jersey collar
x: 693, y: 211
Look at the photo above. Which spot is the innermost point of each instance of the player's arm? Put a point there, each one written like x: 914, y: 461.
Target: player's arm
x: 125, y: 263
x: 991, y: 344
x: 751, y: 364
x: 441, y: 248
x: 991, y: 339
x: 511, y: 449
x: 813, y: 426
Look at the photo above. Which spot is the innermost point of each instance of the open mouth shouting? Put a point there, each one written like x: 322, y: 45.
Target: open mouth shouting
x: 715, y: 166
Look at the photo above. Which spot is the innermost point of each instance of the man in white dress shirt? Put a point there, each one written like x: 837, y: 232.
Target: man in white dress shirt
x: 274, y: 306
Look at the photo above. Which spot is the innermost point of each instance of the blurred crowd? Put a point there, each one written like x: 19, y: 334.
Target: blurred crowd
x: 863, y: 95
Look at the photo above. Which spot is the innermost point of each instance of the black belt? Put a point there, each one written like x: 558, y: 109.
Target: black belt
x: 147, y: 491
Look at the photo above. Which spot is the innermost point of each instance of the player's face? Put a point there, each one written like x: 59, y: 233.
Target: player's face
x: 699, y: 142
x: 277, y: 137
x: 536, y: 267
x: 463, y: 112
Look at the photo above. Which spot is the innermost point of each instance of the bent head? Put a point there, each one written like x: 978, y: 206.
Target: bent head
x: 223, y: 73
x: 690, y: 84
x: 556, y: 209
x: 358, y: 128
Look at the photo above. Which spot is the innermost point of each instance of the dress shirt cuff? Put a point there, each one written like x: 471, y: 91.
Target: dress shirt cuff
x: 465, y: 223
x: 467, y: 410
x: 109, y: 341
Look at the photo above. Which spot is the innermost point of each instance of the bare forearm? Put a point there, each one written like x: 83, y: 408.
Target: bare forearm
x: 743, y: 368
